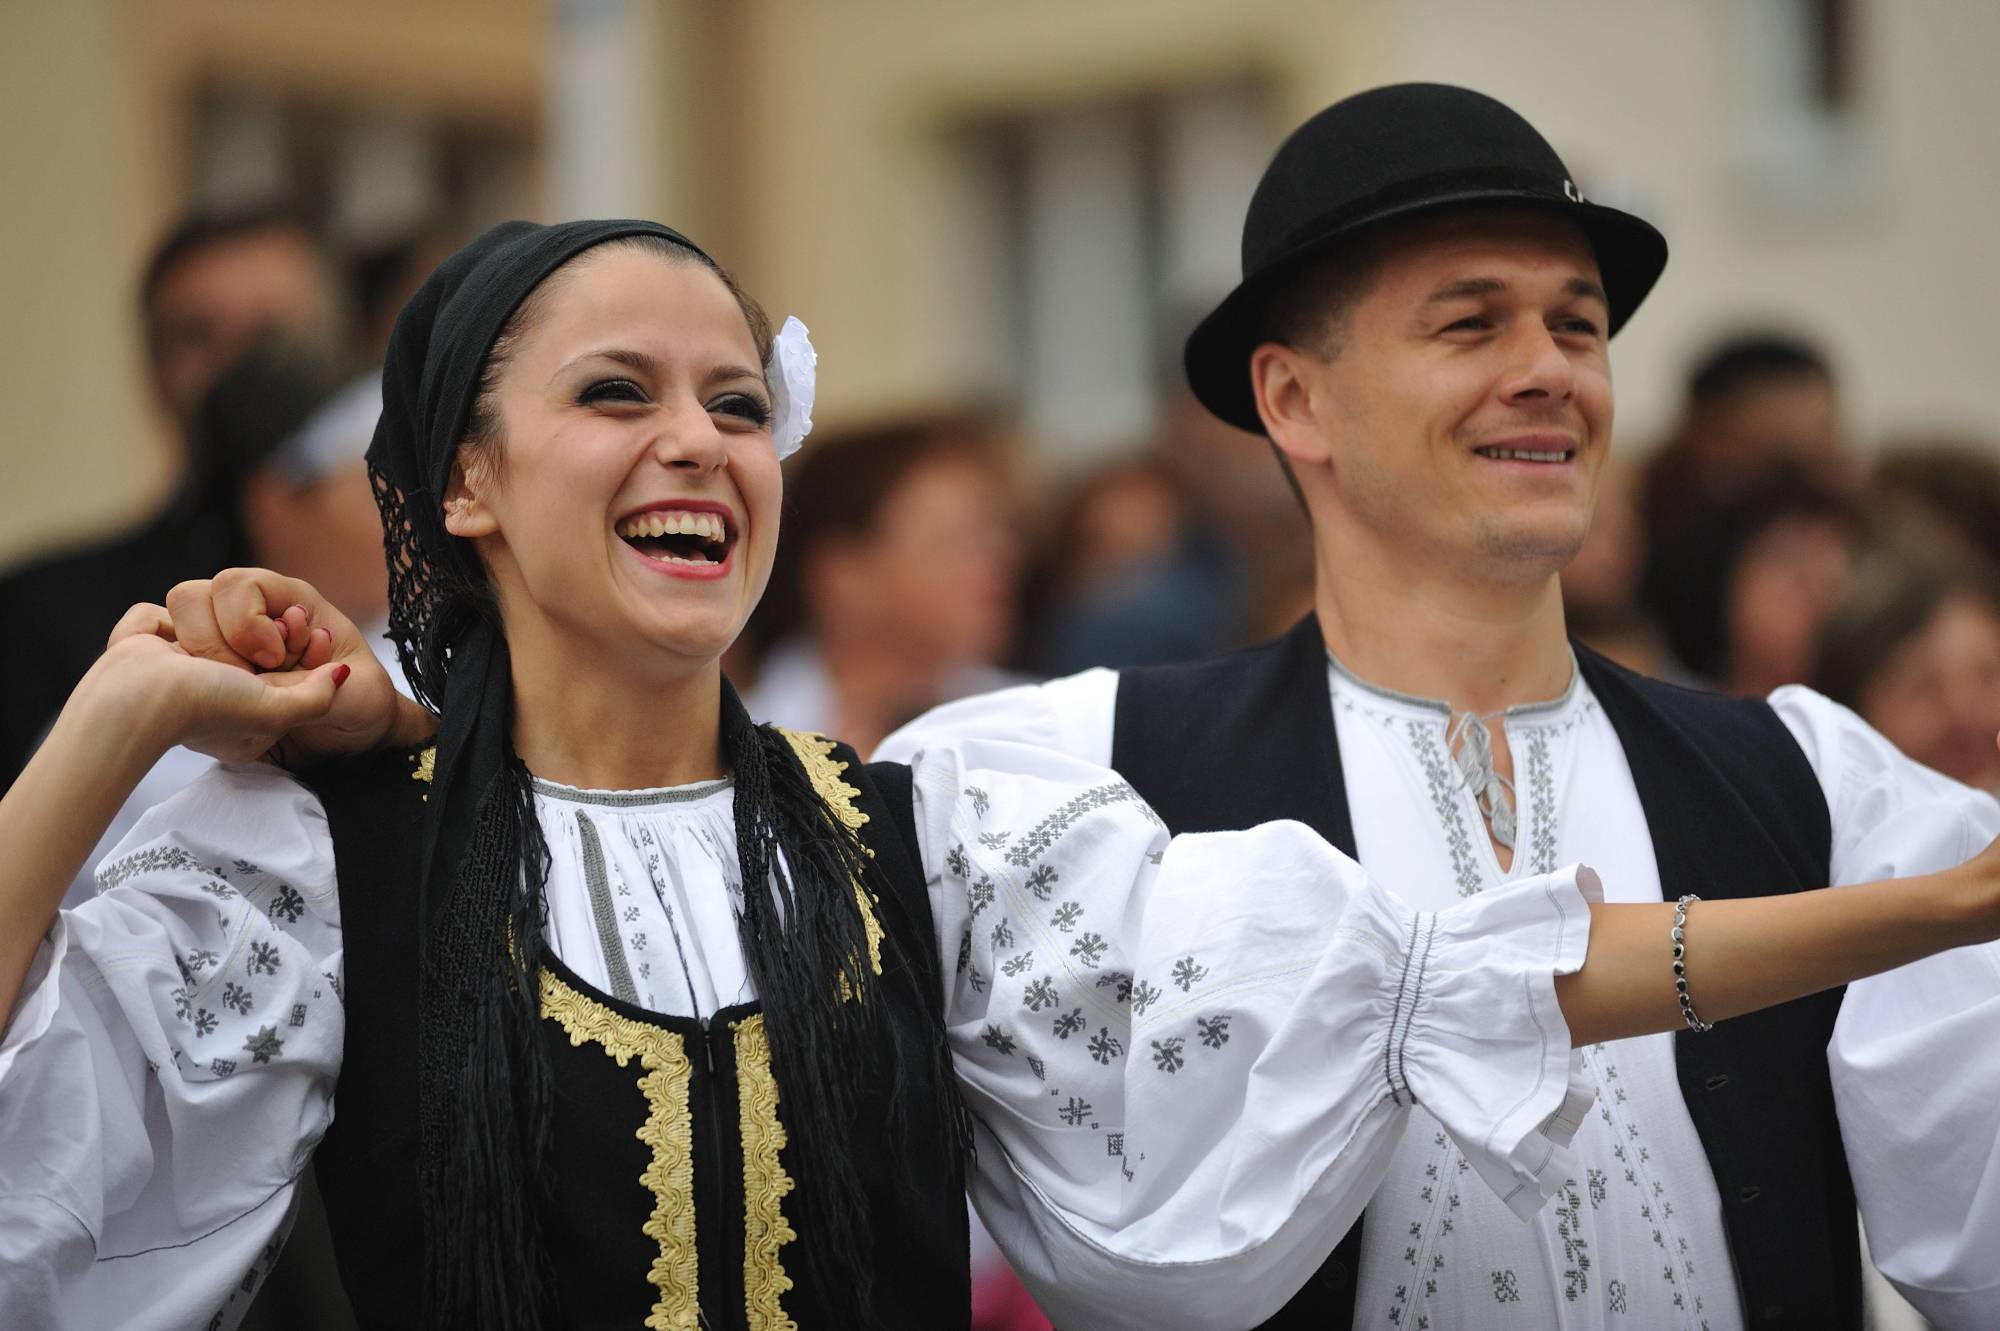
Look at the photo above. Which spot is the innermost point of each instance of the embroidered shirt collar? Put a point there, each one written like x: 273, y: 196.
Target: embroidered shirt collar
x: 632, y: 799
x: 1440, y: 709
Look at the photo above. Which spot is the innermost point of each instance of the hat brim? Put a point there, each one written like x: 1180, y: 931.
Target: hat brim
x: 1631, y: 254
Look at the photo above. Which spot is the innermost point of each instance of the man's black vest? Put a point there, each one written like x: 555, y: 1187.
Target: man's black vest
x: 672, y: 1176
x: 1735, y: 810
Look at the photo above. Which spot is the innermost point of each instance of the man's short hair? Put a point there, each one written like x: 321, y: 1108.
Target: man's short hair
x: 204, y: 227
x: 1744, y: 359
x: 1309, y: 309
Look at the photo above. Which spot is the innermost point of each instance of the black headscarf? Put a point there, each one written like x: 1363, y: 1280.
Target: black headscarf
x: 484, y: 1081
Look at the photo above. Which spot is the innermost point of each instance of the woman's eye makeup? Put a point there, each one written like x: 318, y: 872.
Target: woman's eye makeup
x: 745, y: 406
x: 611, y: 390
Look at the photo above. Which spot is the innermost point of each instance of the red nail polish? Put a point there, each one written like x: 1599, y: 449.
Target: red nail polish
x: 340, y: 674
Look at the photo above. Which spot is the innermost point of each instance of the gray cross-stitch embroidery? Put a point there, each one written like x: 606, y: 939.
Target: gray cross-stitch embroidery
x: 237, y: 997
x: 1068, y: 1024
x: 1167, y: 1055
x: 998, y: 1041
x: 1214, y: 1031
x: 1066, y: 916
x: 1042, y: 881
x: 1120, y: 985
x: 158, y: 858
x: 1144, y: 995
x: 1041, y: 994
x: 1040, y: 838
x: 1016, y: 965
x: 1443, y: 787
x: 1074, y: 1112
x: 1003, y: 935
x: 204, y: 1022
x: 1506, y: 1287
x: 287, y: 905
x: 263, y: 958
x: 981, y: 801
x: 1089, y: 948
x: 1187, y: 975
x: 1104, y: 1046
x: 264, y: 1045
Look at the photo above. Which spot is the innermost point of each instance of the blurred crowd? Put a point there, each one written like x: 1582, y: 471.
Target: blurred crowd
x: 939, y: 555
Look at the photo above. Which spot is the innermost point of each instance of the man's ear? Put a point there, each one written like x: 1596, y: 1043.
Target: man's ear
x: 464, y: 513
x: 1289, y: 401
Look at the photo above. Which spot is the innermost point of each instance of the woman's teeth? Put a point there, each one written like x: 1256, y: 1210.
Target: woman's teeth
x: 672, y: 522
x: 677, y: 536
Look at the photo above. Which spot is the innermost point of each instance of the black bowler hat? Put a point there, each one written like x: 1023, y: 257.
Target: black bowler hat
x: 1390, y: 153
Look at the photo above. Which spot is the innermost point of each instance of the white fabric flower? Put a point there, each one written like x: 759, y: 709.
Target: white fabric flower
x: 791, y: 371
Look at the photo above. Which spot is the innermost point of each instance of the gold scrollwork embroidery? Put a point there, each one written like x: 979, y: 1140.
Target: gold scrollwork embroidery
x: 668, y: 1130
x: 765, y: 1182
x: 815, y: 754
x: 423, y: 766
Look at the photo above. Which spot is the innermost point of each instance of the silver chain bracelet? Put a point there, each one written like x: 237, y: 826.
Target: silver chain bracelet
x: 1695, y: 1024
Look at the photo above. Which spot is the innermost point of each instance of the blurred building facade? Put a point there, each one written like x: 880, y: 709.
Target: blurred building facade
x: 1021, y: 205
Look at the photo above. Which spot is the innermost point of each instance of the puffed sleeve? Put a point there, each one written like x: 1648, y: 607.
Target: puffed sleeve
x: 170, y: 1065
x: 1190, y: 1059
x: 1913, y: 1059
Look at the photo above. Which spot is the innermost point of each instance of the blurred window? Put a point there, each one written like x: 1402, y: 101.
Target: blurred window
x: 363, y: 177
x: 1105, y: 232
x: 1805, y: 140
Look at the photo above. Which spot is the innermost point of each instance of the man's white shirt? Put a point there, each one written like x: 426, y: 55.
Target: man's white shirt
x: 1635, y: 1238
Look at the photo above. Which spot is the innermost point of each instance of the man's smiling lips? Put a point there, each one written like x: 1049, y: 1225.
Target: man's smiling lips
x: 1533, y: 449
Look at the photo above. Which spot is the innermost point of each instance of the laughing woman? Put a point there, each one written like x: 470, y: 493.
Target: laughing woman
x: 637, y: 1013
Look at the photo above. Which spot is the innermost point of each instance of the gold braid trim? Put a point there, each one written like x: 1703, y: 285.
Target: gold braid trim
x: 765, y: 1182
x: 668, y: 1129
x: 815, y: 754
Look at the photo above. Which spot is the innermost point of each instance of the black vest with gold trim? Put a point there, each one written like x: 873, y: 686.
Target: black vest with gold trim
x: 673, y: 1175
x: 1735, y: 810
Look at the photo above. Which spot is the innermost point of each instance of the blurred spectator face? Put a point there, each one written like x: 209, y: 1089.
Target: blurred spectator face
x: 215, y: 300
x: 1126, y: 517
x: 1790, y: 418
x: 1474, y: 341
x: 1785, y: 584
x: 936, y: 572
x: 326, y: 531
x: 1937, y: 696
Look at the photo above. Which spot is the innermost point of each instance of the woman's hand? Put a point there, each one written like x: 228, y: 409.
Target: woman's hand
x: 252, y: 620
x: 156, y: 692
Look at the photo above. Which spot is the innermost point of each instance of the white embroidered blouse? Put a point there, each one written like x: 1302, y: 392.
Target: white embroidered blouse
x: 1190, y: 1060
x: 1634, y: 1238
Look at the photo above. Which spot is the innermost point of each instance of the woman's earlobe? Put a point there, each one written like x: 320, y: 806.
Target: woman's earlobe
x: 464, y: 516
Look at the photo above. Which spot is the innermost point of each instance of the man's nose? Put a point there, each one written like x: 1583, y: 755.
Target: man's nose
x: 1539, y: 369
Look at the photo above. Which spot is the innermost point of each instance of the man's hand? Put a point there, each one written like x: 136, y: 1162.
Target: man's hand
x: 256, y: 620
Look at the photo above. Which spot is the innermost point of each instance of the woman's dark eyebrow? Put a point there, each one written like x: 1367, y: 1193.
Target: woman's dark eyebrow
x: 636, y: 360
x: 647, y: 364
x: 721, y: 372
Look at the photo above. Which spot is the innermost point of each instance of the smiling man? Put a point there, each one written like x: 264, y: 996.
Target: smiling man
x: 1422, y: 334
